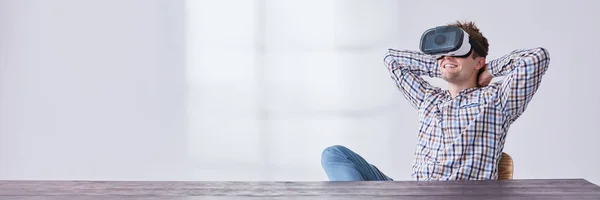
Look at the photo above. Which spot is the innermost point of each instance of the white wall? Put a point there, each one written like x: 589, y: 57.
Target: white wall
x: 115, y: 89
x: 271, y: 85
x: 91, y: 89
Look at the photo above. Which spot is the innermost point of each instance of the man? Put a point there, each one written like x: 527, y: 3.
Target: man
x: 462, y: 129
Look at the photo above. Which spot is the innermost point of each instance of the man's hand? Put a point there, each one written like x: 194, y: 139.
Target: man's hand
x: 484, y: 77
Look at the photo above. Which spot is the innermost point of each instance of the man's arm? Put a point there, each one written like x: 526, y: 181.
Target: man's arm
x: 406, y: 67
x: 524, y: 69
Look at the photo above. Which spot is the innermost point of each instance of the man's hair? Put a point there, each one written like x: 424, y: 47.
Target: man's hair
x: 475, y: 34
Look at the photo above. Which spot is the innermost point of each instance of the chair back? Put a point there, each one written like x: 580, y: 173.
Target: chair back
x: 505, y: 167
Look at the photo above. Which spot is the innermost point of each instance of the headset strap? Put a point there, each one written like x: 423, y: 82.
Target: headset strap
x: 476, y: 46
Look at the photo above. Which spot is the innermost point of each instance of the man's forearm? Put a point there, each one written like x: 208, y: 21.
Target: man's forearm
x: 524, y: 70
x: 413, y: 61
x: 406, y: 68
x: 524, y: 58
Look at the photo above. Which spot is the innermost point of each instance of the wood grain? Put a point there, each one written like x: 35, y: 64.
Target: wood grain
x: 499, y: 189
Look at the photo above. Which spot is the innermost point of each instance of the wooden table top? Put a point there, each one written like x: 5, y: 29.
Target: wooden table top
x: 572, y: 189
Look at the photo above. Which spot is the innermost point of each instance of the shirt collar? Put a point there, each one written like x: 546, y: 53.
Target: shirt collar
x: 461, y: 93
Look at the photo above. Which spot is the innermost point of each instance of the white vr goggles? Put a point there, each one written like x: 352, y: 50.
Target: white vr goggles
x: 448, y: 41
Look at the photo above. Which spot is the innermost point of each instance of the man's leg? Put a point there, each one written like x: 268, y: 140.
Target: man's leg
x: 342, y: 164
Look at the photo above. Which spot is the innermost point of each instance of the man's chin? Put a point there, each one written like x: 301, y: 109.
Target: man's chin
x: 446, y: 78
x: 449, y: 79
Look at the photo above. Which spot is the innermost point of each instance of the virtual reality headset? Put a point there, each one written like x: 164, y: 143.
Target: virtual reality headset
x: 448, y: 41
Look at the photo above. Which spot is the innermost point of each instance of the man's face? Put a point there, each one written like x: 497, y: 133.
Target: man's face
x: 459, y: 70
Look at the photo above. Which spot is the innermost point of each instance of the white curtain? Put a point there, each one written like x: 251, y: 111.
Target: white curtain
x: 271, y: 83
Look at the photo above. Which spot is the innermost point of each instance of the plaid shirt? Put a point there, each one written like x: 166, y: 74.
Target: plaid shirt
x: 463, y: 137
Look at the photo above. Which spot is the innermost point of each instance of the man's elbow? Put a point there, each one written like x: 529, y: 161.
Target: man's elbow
x: 542, y: 55
x: 389, y: 60
x: 540, y: 59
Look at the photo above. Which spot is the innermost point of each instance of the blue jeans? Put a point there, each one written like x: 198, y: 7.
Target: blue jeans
x: 342, y: 164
